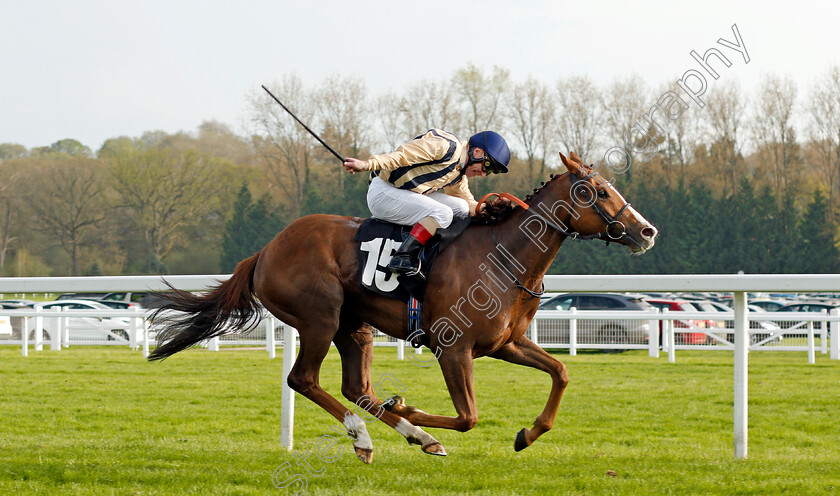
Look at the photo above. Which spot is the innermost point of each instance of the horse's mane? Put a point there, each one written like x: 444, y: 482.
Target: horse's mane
x: 499, y: 210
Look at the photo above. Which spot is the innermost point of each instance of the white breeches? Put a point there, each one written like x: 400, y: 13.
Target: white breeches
x: 389, y: 203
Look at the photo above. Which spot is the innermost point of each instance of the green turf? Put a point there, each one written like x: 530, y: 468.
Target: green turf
x: 89, y: 420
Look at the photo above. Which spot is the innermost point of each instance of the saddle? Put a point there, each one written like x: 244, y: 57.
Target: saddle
x: 378, y: 240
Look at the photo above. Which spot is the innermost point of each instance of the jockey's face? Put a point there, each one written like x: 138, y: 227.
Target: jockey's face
x: 476, y: 169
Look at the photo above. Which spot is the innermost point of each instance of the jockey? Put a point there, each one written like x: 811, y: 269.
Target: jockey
x: 424, y: 183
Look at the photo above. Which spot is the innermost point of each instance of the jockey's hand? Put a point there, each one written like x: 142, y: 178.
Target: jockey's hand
x: 494, y: 211
x: 354, y: 165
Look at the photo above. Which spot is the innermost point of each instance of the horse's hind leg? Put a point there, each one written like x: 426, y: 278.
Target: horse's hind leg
x: 523, y: 351
x: 355, y: 345
x: 303, y: 378
x: 457, y: 369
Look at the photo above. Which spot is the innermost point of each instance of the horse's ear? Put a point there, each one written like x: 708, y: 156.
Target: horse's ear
x: 572, y: 165
x: 575, y: 157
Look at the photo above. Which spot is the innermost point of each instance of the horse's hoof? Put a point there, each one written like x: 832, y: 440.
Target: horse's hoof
x: 521, y: 443
x: 393, y: 402
x: 434, y: 449
x: 364, y: 454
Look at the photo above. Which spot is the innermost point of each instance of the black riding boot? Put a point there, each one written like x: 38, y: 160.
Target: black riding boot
x: 406, y: 259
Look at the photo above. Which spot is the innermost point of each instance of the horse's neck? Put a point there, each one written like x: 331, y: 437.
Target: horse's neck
x: 527, y: 238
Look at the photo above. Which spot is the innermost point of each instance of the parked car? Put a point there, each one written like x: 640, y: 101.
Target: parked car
x: 805, y: 307
x: 16, y: 303
x: 89, y: 328
x: 80, y: 296
x: 769, y: 328
x: 119, y: 305
x: 144, y: 299
x: 606, y: 331
x: 769, y: 305
x: 679, y: 305
x: 5, y: 326
x: 704, y: 306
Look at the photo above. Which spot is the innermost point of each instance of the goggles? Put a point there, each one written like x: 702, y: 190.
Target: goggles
x: 489, y: 165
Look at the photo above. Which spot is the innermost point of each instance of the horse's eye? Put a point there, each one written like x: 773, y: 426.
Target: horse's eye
x: 602, y: 193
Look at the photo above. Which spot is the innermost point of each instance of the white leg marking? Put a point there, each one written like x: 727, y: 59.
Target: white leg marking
x: 414, y: 434
x: 356, y: 425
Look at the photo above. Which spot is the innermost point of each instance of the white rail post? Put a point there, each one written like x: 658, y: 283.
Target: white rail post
x: 669, y: 332
x: 64, y: 329
x: 132, y: 333
x: 533, y: 330
x: 835, y: 336
x: 51, y: 324
x: 287, y: 413
x: 742, y: 337
x: 213, y: 344
x: 145, y: 328
x: 824, y: 334
x: 24, y: 340
x: 39, y: 334
x: 270, y: 341
x: 573, y: 332
x: 653, y: 340
x: 401, y: 349
x: 811, y: 357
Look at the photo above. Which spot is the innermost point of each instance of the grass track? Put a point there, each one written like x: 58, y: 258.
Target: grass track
x: 103, y: 421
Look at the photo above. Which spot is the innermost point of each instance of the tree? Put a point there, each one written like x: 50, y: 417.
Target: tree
x: 67, y: 198
x: 818, y: 253
x: 724, y: 117
x: 578, y: 115
x: 425, y: 105
x: 70, y: 147
x: 623, y: 105
x: 343, y: 111
x: 284, y: 147
x: 11, y: 203
x: 480, y: 98
x: 389, y: 118
x: 774, y: 134
x: 164, y: 193
x: 530, y: 114
x: 249, y: 229
x: 12, y: 150
x: 824, y: 109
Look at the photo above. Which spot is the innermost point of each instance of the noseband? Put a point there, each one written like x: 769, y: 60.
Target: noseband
x: 605, y: 235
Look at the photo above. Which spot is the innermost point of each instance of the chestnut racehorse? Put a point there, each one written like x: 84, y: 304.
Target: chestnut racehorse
x: 479, y: 301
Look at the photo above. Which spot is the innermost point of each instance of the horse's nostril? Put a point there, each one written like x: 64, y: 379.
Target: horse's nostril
x: 648, y: 232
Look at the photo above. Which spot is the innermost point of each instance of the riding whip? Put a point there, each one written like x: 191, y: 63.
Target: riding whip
x: 328, y: 147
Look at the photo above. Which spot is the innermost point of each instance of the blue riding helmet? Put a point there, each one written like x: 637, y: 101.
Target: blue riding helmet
x: 495, y: 147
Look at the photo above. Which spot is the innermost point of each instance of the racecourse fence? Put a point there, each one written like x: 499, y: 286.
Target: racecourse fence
x: 572, y: 330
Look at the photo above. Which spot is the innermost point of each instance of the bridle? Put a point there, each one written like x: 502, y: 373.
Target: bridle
x: 605, y: 235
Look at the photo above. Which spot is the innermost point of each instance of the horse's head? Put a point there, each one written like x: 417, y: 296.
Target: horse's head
x: 601, y: 212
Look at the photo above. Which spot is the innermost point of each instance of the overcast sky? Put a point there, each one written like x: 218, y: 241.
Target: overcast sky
x: 92, y: 70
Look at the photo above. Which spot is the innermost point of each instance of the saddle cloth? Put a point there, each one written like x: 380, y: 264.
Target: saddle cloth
x: 378, y: 241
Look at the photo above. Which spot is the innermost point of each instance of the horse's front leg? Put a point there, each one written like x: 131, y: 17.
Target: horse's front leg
x: 523, y: 351
x: 457, y: 369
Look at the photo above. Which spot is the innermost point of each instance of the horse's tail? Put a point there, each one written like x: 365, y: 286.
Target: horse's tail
x: 188, y: 318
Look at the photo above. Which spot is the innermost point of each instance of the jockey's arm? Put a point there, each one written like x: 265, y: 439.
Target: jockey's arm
x: 461, y: 189
x: 428, y: 148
